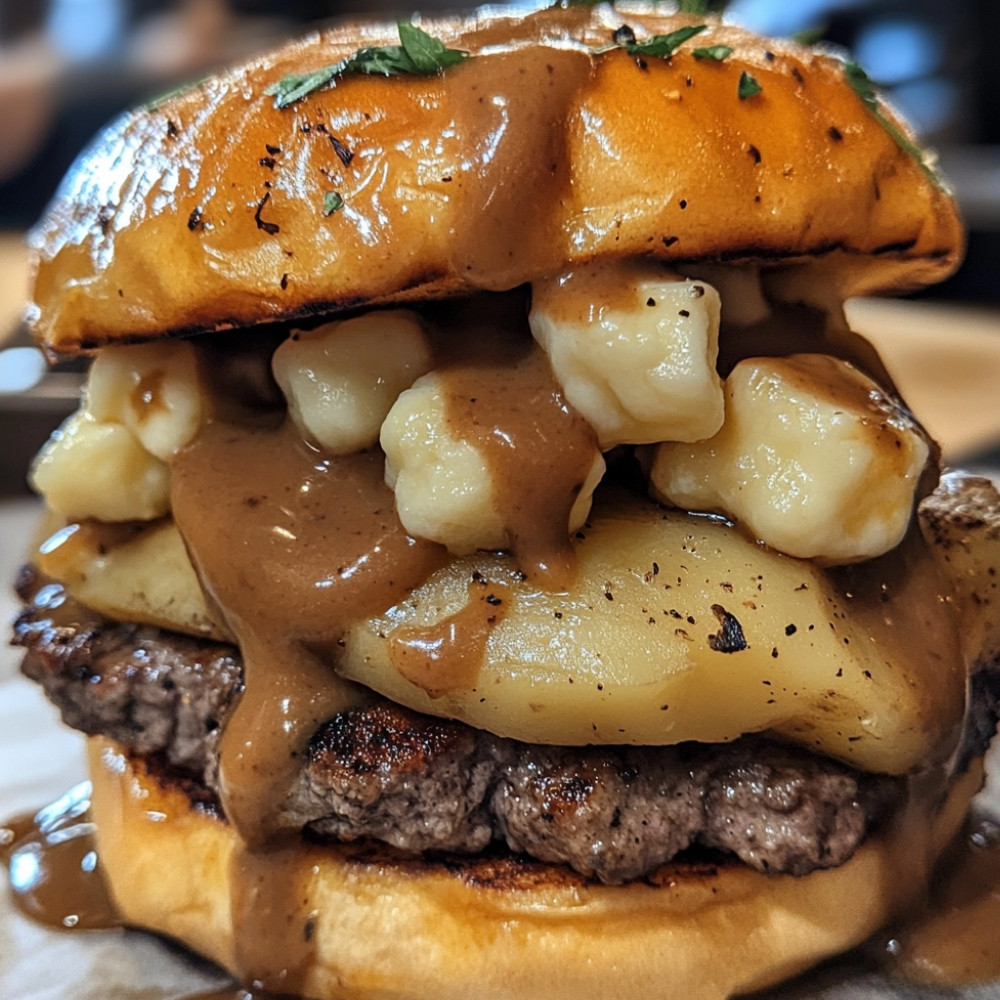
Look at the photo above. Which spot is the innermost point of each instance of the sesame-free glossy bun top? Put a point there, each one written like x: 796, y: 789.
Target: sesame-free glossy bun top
x: 212, y: 209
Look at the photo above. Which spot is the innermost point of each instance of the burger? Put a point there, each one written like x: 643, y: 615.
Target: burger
x: 484, y: 558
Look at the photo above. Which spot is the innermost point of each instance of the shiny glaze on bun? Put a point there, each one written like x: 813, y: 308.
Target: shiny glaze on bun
x: 212, y: 209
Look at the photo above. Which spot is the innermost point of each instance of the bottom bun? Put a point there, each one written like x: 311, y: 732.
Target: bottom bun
x: 355, y: 922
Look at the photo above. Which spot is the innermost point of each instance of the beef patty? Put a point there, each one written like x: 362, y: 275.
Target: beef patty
x: 421, y: 783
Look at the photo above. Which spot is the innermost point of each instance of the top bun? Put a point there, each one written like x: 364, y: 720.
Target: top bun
x: 216, y: 209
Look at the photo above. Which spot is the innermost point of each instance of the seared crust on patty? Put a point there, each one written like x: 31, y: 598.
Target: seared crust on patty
x: 422, y: 783
x: 378, y: 925
x: 209, y: 210
x: 152, y: 690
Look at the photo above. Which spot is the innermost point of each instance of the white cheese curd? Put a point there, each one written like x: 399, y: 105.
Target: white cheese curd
x: 341, y: 379
x: 444, y: 487
x: 634, y: 349
x: 94, y: 468
x: 813, y: 457
x: 152, y: 389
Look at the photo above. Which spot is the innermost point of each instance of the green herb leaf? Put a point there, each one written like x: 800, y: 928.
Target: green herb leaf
x: 420, y: 54
x: 716, y: 52
x: 811, y: 36
x: 664, y: 45
x: 295, y: 86
x: 701, y: 7
x: 155, y: 103
x: 862, y: 85
x: 332, y: 202
x: 427, y: 53
x: 748, y: 86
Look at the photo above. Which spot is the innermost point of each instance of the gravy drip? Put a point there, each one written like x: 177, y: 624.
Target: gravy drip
x: 293, y: 546
x: 447, y: 654
x: 52, y: 859
x: 515, y: 107
x: 539, y: 451
x: 956, y: 942
x: 273, y: 944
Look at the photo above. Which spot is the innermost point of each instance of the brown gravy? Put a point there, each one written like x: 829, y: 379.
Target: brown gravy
x: 956, y: 942
x: 518, y: 103
x: 54, y: 869
x: 539, y: 451
x: 274, y: 950
x: 294, y: 546
x: 447, y: 655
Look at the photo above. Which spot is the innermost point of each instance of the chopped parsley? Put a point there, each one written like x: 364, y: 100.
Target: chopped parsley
x: 701, y: 7
x: 419, y: 54
x: 862, y: 85
x: 716, y: 52
x: 811, y: 36
x: 748, y: 86
x: 332, y: 202
x: 155, y: 103
x: 663, y: 46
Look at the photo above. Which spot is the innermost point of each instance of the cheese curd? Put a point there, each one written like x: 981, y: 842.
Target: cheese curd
x: 341, y: 379
x: 634, y: 350
x: 813, y: 457
x: 444, y: 486
x: 91, y: 468
x: 152, y: 389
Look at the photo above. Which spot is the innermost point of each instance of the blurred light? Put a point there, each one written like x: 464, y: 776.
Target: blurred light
x: 20, y: 368
x: 779, y: 17
x: 85, y: 29
x: 929, y: 104
x: 893, y: 51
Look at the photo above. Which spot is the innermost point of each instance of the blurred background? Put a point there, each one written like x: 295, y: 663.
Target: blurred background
x: 68, y: 66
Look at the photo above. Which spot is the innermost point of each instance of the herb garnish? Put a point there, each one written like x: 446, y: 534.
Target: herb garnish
x: 748, y: 86
x: 665, y: 45
x: 419, y: 54
x: 862, y: 85
x: 332, y: 202
x: 701, y: 7
x: 811, y: 36
x: 155, y: 103
x: 716, y: 52
x: 658, y: 45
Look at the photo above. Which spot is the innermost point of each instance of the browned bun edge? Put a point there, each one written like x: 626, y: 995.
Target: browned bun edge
x: 207, y: 211
x: 408, y: 930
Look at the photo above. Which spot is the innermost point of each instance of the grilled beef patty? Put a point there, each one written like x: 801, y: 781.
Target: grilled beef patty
x: 422, y: 783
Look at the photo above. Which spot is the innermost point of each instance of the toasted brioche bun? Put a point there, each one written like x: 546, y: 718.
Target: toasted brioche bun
x: 381, y: 926
x: 206, y: 211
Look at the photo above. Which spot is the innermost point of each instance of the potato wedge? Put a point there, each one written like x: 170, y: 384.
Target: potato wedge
x: 133, y: 574
x: 679, y: 628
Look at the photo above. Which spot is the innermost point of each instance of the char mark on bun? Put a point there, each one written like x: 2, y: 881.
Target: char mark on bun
x: 481, y: 524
